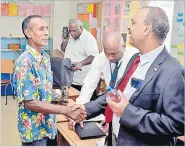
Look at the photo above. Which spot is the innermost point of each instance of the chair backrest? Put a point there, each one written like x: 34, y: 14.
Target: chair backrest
x: 7, y: 66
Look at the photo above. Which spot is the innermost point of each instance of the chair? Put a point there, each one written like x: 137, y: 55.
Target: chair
x: 7, y: 66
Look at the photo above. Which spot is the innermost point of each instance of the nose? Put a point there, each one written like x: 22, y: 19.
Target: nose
x: 47, y: 32
x: 129, y: 28
x: 110, y: 57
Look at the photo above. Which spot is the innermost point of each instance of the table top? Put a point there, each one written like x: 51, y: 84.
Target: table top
x: 72, y: 138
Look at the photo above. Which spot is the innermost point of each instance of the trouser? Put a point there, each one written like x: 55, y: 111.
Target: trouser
x: 41, y: 142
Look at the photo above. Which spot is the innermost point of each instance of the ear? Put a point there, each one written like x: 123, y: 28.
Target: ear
x: 148, y: 29
x: 27, y: 32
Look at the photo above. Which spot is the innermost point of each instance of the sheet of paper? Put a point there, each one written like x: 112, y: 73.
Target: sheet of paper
x: 4, y: 9
x: 90, y: 8
x: 13, y: 9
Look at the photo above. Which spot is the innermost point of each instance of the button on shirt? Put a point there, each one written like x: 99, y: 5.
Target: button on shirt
x: 146, y: 61
x: 32, y: 80
x: 101, y: 65
x: 78, y: 50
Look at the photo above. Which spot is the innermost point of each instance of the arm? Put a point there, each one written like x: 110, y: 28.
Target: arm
x: 63, y: 45
x: 87, y: 61
x: 170, y: 122
x: 46, y: 108
x: 97, y: 107
x: 28, y: 93
x: 91, y: 80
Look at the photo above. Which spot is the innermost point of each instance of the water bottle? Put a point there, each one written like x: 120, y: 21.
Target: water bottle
x: 112, y: 94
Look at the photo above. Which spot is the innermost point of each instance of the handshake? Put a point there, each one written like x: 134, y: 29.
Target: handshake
x: 76, y: 112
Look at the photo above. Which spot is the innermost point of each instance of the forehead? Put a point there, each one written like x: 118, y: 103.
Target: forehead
x: 111, y: 45
x: 37, y: 22
x: 140, y: 15
x: 73, y: 26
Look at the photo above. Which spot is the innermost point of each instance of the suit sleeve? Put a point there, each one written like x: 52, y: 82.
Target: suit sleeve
x: 97, y: 107
x: 170, y: 122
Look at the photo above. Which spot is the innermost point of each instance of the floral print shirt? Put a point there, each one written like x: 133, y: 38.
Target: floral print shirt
x: 32, y: 80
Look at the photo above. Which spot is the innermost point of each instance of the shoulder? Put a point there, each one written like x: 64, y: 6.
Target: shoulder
x: 25, y: 57
x: 100, y: 59
x: 88, y: 36
x: 172, y: 65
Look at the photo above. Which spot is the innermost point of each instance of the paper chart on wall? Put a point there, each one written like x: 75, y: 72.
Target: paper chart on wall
x: 4, y: 9
x: 126, y: 7
x: 13, y: 9
x: 124, y: 24
x: 177, y: 37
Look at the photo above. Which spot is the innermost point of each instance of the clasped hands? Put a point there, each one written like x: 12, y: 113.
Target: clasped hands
x: 117, y: 108
x: 77, y: 113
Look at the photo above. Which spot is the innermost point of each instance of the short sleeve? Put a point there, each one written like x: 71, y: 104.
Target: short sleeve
x: 91, y: 47
x: 26, y: 83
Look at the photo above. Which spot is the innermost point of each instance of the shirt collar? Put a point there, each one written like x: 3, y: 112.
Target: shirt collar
x: 150, y: 56
x: 39, y: 57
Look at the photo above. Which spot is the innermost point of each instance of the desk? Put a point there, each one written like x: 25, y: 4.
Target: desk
x: 73, y: 93
x: 66, y: 137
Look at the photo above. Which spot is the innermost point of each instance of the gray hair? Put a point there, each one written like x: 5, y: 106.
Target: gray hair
x: 159, y: 20
x: 26, y: 22
x: 76, y: 21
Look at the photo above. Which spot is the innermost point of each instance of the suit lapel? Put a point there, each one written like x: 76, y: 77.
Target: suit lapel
x: 151, y: 72
x: 127, y: 68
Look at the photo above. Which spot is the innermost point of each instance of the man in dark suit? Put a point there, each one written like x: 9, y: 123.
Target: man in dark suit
x: 151, y: 107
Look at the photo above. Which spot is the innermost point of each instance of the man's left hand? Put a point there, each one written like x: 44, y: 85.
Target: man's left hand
x: 76, y: 66
x: 119, y: 107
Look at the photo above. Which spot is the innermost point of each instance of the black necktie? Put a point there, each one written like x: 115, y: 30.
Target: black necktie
x: 114, y: 75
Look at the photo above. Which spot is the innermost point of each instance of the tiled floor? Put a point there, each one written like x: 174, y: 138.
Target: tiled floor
x: 9, y: 132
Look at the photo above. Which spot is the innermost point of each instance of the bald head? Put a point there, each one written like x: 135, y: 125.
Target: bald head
x: 113, y: 46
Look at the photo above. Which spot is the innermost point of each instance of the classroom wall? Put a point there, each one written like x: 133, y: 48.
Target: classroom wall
x: 61, y: 12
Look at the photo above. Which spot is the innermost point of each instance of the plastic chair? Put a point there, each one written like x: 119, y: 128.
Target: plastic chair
x: 7, y: 66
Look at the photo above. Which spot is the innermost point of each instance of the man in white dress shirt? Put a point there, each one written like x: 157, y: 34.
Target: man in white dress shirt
x: 105, y: 62
x: 81, y: 48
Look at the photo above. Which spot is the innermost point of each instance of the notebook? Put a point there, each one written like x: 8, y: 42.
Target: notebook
x: 90, y: 130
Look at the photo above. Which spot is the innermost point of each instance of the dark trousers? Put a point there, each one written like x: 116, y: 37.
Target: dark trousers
x: 79, y: 87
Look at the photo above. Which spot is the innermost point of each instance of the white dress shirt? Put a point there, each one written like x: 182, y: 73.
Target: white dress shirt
x: 146, y: 61
x: 101, y: 65
x: 78, y: 50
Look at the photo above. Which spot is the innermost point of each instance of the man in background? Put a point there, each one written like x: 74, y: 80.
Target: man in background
x: 32, y: 82
x: 81, y: 48
x: 151, y: 107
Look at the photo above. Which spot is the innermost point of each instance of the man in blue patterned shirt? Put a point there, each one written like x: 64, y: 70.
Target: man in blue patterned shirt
x: 33, y: 85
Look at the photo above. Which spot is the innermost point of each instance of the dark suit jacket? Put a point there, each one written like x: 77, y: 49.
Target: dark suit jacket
x: 155, y: 113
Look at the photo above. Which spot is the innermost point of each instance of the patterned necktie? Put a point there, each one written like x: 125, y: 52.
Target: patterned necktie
x: 122, y: 85
x: 114, y: 75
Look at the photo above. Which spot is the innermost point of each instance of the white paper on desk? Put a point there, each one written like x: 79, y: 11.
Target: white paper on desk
x: 101, y: 142
x: 97, y: 118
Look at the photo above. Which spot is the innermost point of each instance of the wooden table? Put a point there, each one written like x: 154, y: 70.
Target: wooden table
x: 73, y: 93
x: 66, y: 137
